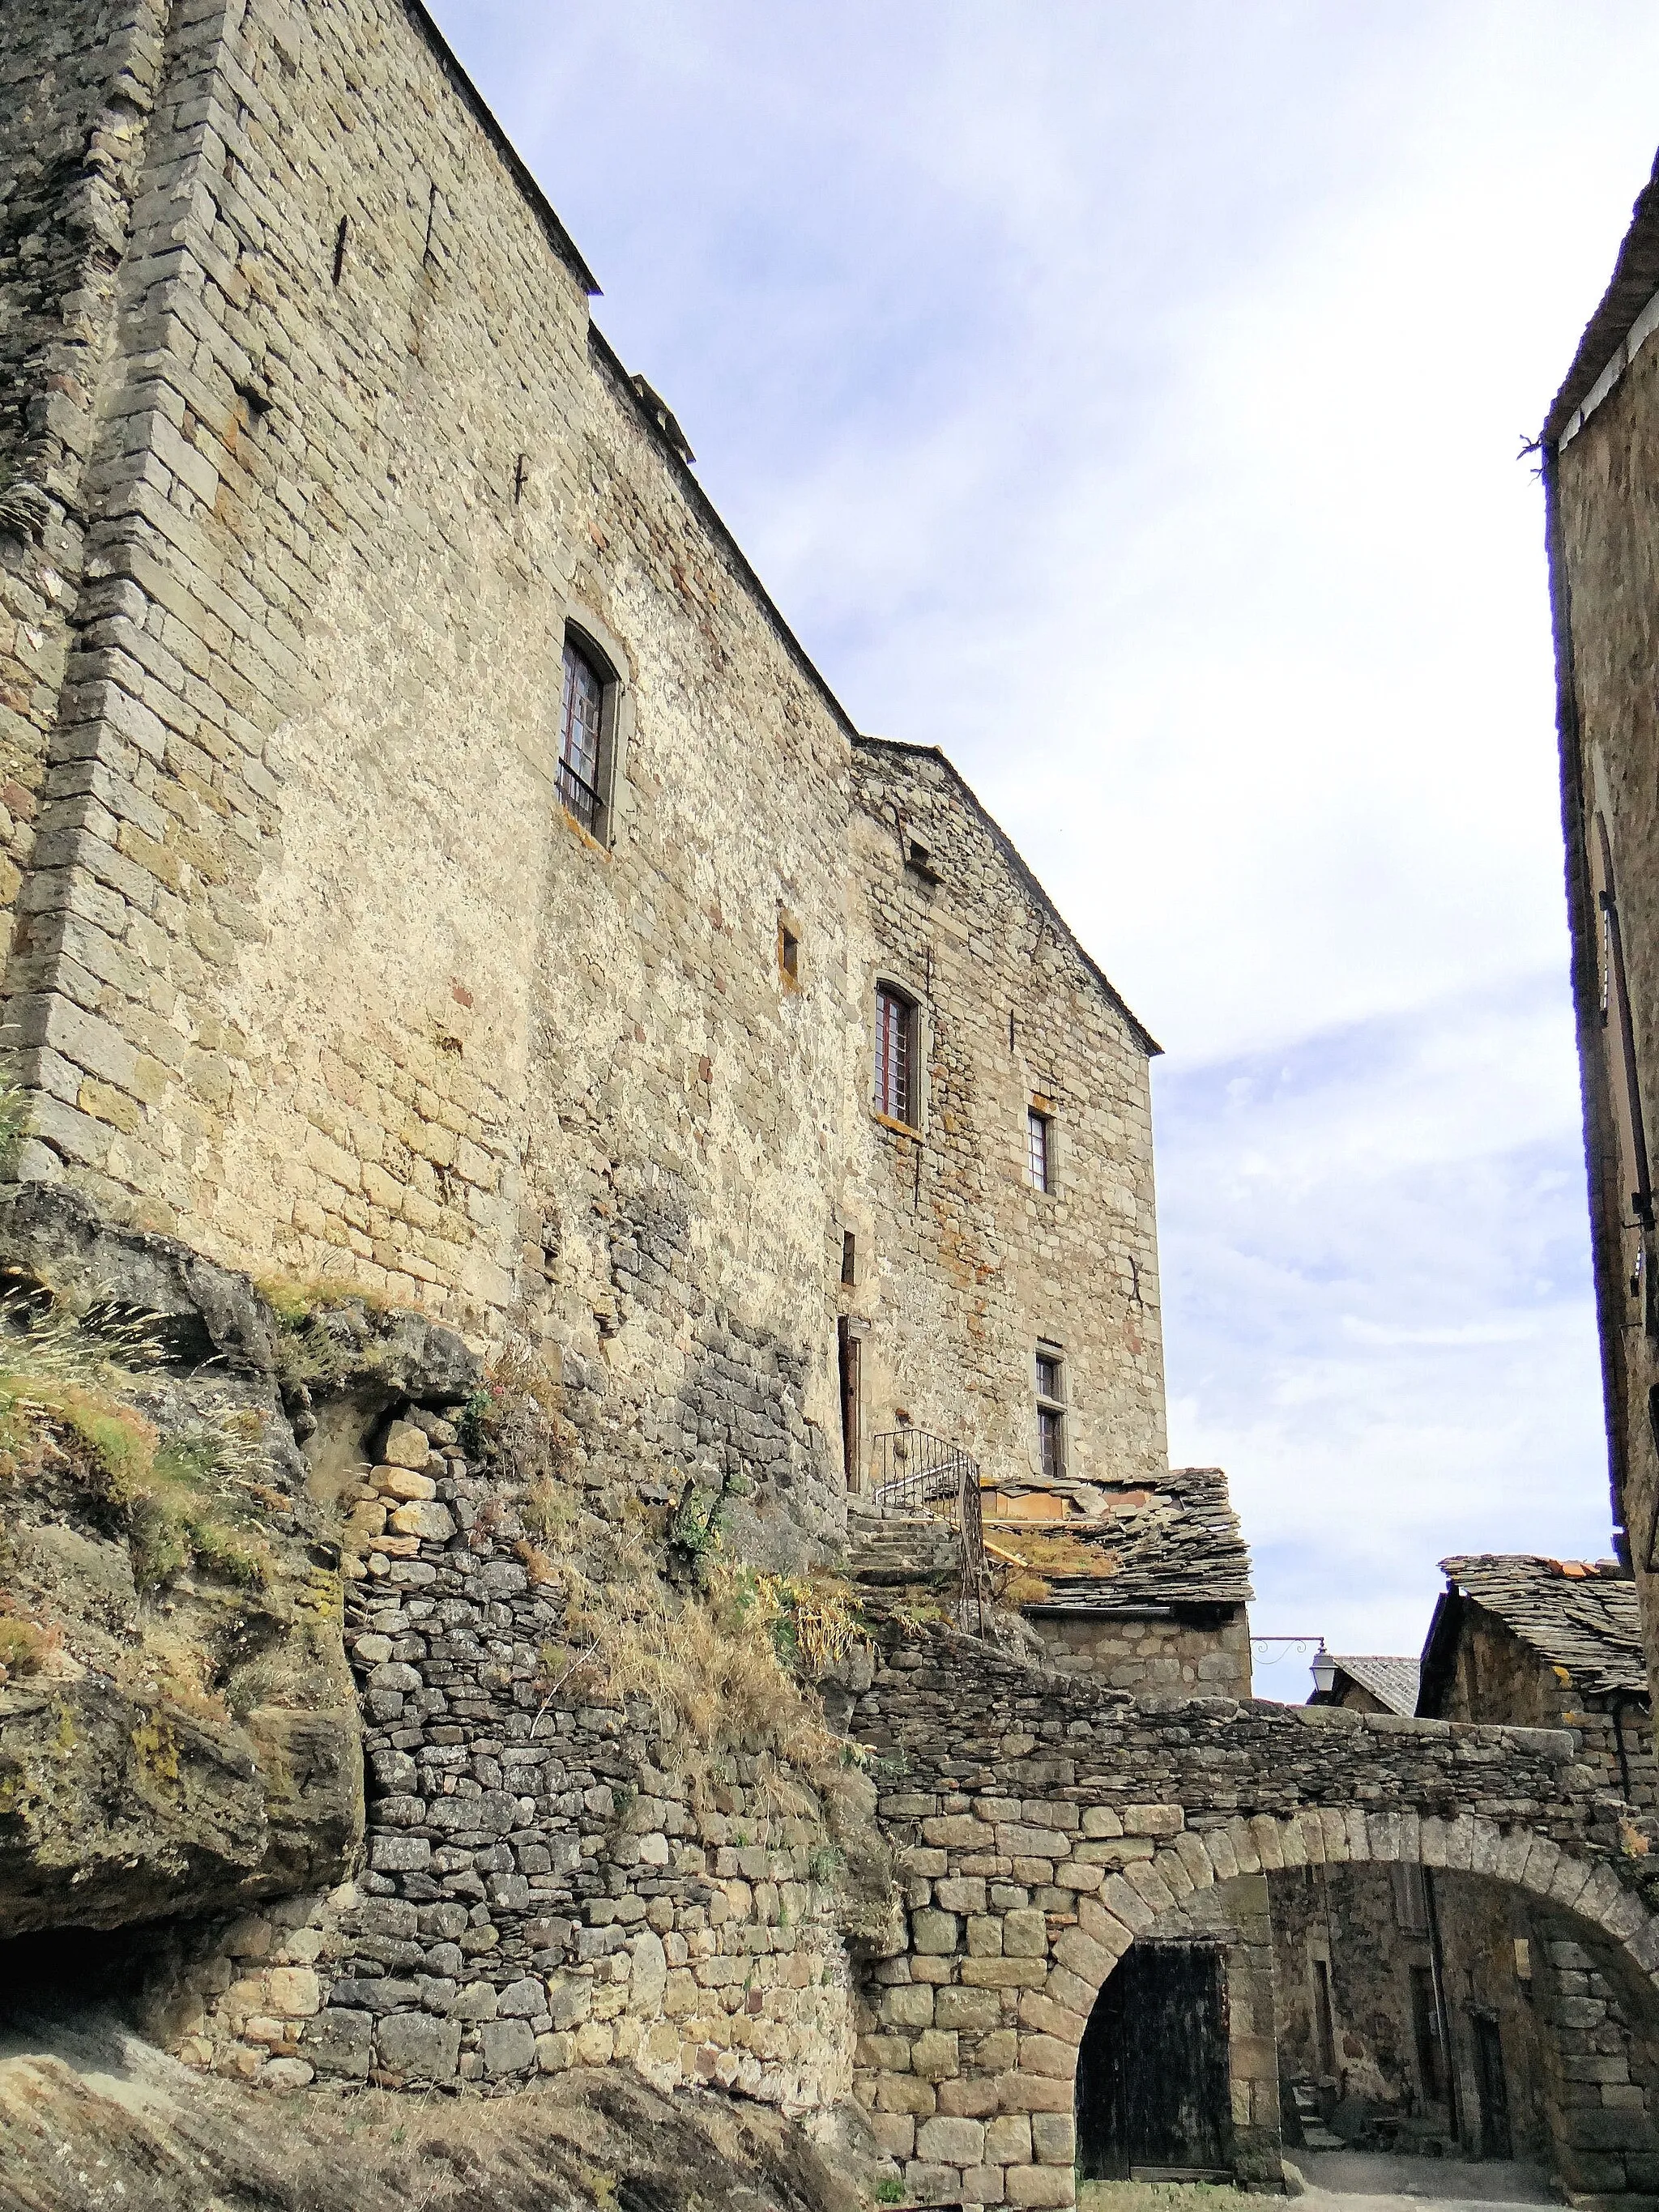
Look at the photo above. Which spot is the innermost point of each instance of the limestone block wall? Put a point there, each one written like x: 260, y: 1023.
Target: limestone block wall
x: 1598, y: 2066
x: 1174, y: 1655
x: 314, y: 965
x: 968, y: 1264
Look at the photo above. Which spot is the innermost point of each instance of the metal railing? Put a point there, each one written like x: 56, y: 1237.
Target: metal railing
x: 914, y: 1473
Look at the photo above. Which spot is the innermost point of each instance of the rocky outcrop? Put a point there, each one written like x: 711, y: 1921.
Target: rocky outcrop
x: 148, y: 2136
x: 179, y: 1725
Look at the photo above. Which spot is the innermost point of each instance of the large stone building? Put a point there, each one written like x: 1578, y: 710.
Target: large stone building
x: 436, y: 878
x: 433, y: 862
x: 1600, y: 450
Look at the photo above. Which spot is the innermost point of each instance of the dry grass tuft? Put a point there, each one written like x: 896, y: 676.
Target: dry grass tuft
x: 26, y: 1645
x: 189, y: 1500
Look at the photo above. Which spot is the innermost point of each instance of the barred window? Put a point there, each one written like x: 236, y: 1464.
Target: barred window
x: 1040, y: 1157
x: 896, y: 1056
x: 580, y: 734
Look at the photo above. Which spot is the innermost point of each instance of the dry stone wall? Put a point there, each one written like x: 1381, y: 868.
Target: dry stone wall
x: 545, y: 1884
x: 1199, y: 1658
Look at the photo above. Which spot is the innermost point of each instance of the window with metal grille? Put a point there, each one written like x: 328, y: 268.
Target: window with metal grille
x: 580, y: 734
x: 896, y: 1056
x: 1051, y: 1409
x: 1039, y: 1152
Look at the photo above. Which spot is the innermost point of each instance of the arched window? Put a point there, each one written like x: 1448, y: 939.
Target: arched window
x: 582, y: 739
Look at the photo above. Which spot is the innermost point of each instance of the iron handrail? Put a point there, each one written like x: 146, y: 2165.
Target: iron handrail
x: 912, y: 1473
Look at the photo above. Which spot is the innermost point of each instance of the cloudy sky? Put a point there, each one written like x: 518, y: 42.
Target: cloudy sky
x: 1127, y: 396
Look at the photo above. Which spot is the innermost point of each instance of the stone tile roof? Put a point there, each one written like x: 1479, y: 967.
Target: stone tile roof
x: 1173, y: 1539
x: 1634, y: 281
x: 1391, y: 1682
x: 1577, y: 1613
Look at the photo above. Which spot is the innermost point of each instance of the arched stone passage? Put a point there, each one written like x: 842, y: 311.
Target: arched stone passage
x: 1043, y: 1827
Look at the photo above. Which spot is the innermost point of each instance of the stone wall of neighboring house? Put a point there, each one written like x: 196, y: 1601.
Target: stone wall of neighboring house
x: 968, y: 1264
x: 315, y: 966
x: 1199, y: 1655
x: 1497, y: 1673
x: 1600, y: 468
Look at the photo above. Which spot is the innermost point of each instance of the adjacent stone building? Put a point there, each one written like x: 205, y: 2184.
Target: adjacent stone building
x: 1418, y: 2010
x: 1600, y: 454
x: 1147, y: 1583
x: 1370, y: 1682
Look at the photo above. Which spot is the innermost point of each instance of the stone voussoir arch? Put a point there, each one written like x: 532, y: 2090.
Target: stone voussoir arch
x: 1041, y: 1826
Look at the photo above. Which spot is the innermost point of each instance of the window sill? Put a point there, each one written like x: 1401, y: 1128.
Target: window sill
x: 898, y: 1128
x: 578, y: 829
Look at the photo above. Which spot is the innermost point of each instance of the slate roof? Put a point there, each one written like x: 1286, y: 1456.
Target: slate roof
x: 1634, y: 281
x: 1392, y: 1682
x: 1173, y: 1539
x: 1577, y: 1613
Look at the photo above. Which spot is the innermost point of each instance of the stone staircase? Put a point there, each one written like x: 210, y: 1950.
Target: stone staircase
x: 887, y: 1551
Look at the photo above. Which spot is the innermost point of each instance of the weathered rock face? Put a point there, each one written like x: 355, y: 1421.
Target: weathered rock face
x: 170, y: 2141
x: 179, y: 1730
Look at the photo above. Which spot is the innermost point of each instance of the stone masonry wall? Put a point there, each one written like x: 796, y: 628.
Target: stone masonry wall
x: 1604, y: 525
x: 77, y: 86
x: 1162, y: 1655
x: 969, y: 1264
x: 1043, y: 1825
x: 545, y: 1886
x: 345, y: 487
x: 1496, y: 1673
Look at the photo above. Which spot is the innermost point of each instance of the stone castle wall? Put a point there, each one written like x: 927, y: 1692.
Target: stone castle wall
x: 970, y: 1265
x: 313, y: 964
x: 78, y: 89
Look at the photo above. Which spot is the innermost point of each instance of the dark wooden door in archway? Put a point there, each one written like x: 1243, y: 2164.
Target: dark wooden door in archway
x: 1151, y: 2075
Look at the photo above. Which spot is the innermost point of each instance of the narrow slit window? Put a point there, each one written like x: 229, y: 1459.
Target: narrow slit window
x: 1051, y: 1411
x: 581, y: 728
x: 1039, y: 1149
x: 340, y: 237
x: 788, y: 953
x: 896, y: 1056
x: 849, y: 1258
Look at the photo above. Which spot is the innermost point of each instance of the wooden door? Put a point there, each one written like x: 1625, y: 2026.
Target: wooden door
x: 1495, y: 2137
x: 1152, y: 2100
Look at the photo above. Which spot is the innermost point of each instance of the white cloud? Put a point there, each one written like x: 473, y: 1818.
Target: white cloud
x: 1128, y: 400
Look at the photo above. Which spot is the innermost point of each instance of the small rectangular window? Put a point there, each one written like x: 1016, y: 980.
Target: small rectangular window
x: 788, y: 953
x: 849, y: 1258
x: 896, y: 1053
x: 1051, y: 1411
x: 1039, y: 1152
x: 580, y: 731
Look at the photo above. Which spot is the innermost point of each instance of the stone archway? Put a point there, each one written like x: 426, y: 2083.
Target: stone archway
x: 1043, y: 1827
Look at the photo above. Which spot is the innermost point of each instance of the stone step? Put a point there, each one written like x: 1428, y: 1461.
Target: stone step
x: 894, y: 1549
